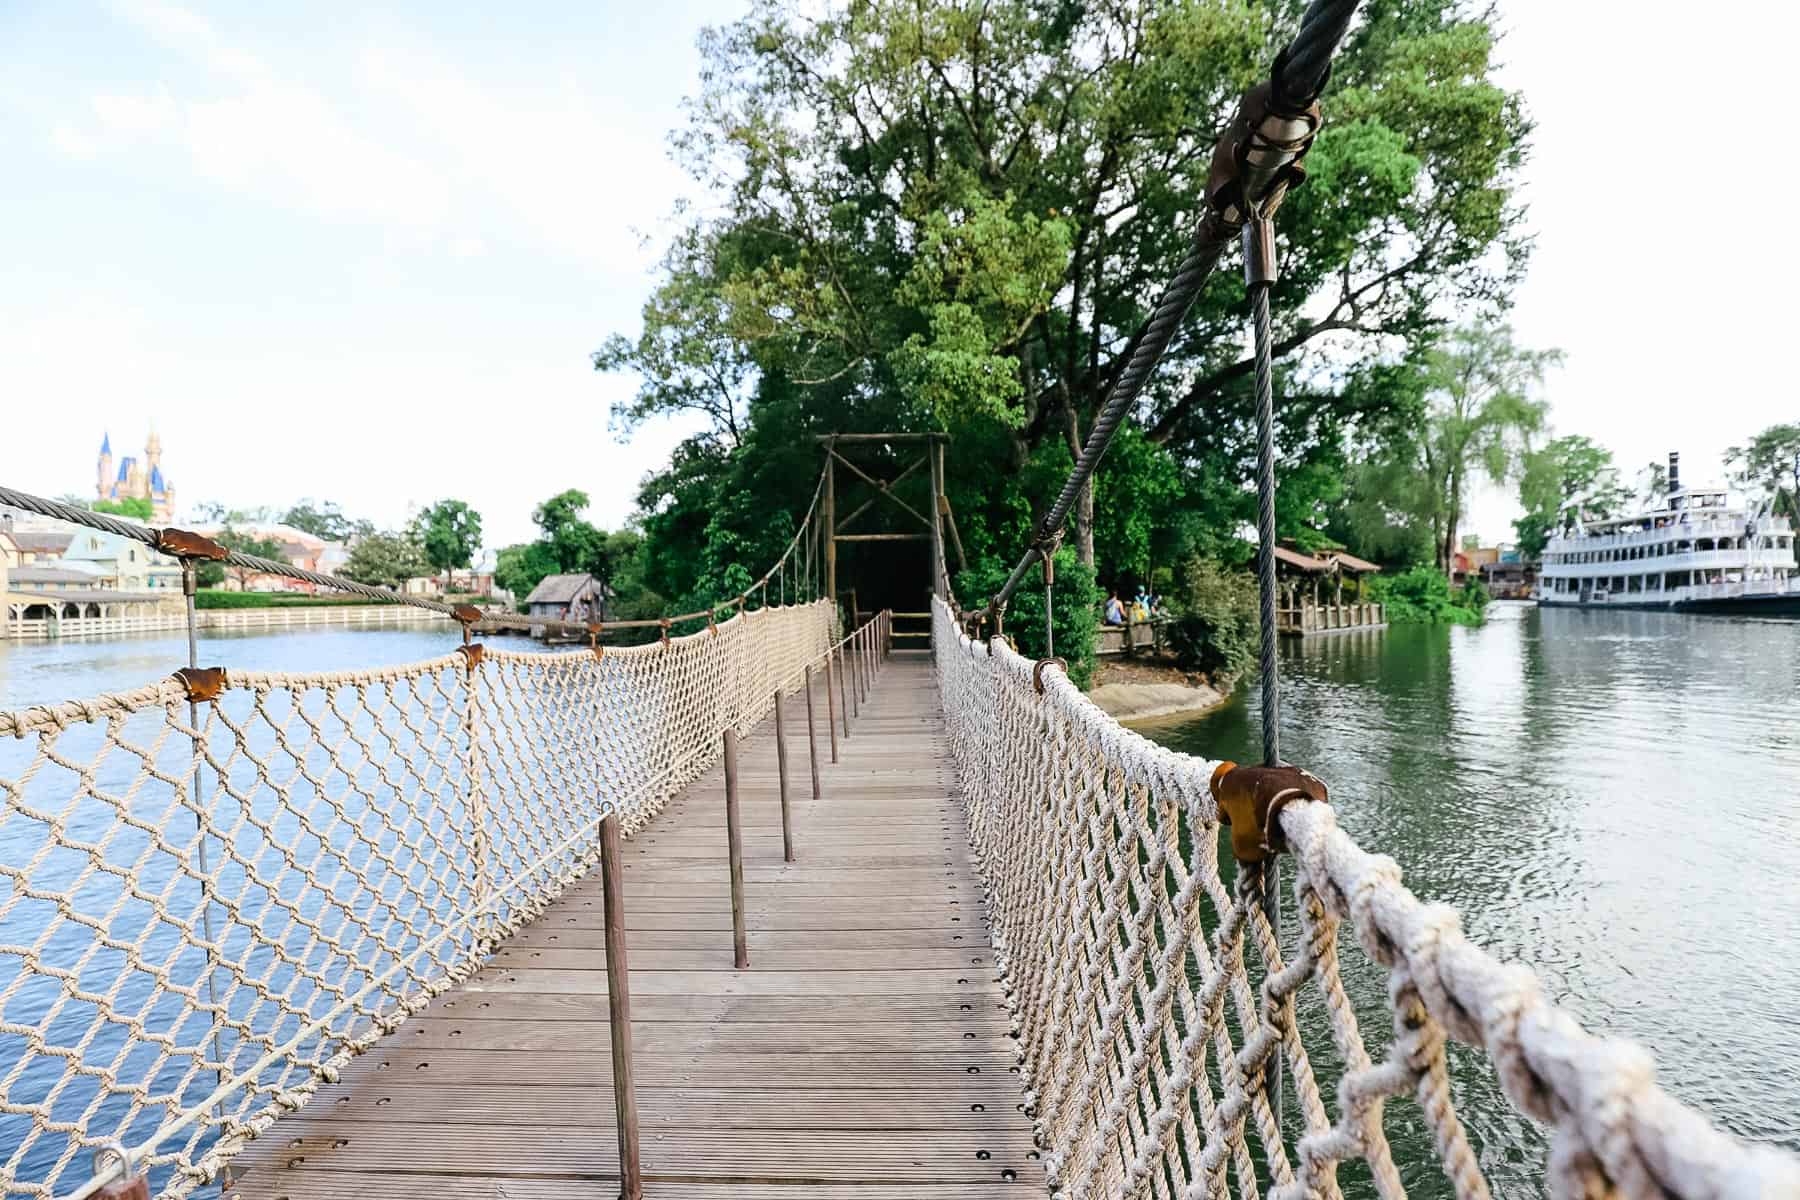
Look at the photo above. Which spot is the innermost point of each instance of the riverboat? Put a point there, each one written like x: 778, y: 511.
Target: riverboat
x: 1698, y: 550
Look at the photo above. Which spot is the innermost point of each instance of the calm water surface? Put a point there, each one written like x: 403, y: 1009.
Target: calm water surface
x: 1611, y: 798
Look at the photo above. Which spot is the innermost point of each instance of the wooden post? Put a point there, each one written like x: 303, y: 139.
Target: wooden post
x: 933, y: 453
x: 853, y: 680
x: 830, y: 530
x: 812, y: 741
x: 843, y: 701
x: 830, y: 716
x: 787, y: 828
x: 618, y: 1009
x: 734, y: 840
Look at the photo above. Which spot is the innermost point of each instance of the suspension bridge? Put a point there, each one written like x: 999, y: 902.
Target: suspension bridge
x: 779, y: 902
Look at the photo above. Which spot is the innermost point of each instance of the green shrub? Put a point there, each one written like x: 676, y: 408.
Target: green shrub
x: 1214, y: 620
x: 1421, y: 595
x: 218, y: 598
x: 1077, y: 602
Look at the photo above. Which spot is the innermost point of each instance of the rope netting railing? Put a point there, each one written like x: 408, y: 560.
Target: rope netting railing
x: 209, y: 910
x: 1153, y: 997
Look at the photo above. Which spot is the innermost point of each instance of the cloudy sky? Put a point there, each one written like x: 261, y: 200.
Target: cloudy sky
x: 361, y: 252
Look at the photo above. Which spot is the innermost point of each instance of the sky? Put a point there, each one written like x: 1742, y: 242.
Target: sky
x: 362, y: 252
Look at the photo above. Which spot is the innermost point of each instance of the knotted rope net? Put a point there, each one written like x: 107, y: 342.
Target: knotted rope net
x: 1152, y: 997
x: 205, y: 919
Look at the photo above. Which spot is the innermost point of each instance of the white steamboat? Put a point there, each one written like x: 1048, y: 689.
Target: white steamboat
x: 1698, y: 551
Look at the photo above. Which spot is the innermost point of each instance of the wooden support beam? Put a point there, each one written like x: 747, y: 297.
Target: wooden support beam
x: 866, y: 505
x: 734, y: 842
x: 618, y: 1009
x: 881, y: 537
x: 812, y: 741
x: 882, y: 487
x: 787, y: 825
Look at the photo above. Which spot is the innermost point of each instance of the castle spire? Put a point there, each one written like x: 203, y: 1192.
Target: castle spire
x: 106, y: 444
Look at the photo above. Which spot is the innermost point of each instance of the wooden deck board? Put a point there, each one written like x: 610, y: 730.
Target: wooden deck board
x: 865, y: 1052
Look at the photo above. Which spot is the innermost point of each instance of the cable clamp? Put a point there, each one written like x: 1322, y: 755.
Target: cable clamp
x: 1258, y: 158
x: 1037, y: 671
x: 129, y: 1184
x: 180, y: 543
x: 202, y: 683
x: 472, y: 653
x: 1250, y: 800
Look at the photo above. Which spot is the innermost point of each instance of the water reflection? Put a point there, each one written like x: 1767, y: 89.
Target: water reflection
x: 1609, y: 797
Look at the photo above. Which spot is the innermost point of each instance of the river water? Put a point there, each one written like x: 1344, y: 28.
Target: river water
x: 1610, y: 798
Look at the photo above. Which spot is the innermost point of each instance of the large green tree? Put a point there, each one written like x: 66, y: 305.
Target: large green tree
x: 1473, y: 414
x: 450, y: 534
x: 324, y: 519
x: 130, y: 506
x: 956, y: 216
x: 1565, y: 480
x: 386, y: 559
x: 1769, y: 464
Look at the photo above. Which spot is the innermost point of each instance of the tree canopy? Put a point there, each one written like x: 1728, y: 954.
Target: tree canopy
x: 130, y: 506
x: 957, y: 216
x: 449, y: 532
x: 324, y: 519
x: 1569, y: 479
x: 385, y: 559
x: 1769, y: 464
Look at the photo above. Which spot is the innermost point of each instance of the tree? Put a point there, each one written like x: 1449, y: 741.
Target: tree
x: 1653, y: 481
x: 248, y: 541
x: 130, y: 506
x: 385, y: 559
x: 450, y: 534
x: 326, y: 520
x: 956, y: 216
x: 1569, y: 479
x: 574, y: 544
x: 1770, y: 464
x: 521, y: 567
x: 1477, y: 418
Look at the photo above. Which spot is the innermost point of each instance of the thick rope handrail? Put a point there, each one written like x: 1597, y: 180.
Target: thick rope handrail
x: 1151, y: 1000
x: 371, y: 832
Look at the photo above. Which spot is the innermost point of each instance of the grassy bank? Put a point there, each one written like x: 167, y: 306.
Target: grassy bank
x: 1422, y: 596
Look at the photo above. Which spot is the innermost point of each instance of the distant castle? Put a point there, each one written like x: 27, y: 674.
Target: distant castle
x: 136, y: 480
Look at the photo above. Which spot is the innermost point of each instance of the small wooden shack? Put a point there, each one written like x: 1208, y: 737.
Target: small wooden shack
x: 579, y: 597
x: 1302, y: 571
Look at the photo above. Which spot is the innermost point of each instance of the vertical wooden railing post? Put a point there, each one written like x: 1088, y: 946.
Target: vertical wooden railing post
x: 843, y: 697
x: 618, y: 1008
x: 734, y: 839
x: 812, y: 741
x: 787, y: 826
x: 830, y: 714
x: 853, y: 672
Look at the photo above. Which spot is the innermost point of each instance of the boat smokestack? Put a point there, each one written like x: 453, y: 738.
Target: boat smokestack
x: 1674, y: 471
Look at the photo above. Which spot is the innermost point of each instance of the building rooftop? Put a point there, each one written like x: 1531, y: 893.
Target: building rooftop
x: 560, y: 589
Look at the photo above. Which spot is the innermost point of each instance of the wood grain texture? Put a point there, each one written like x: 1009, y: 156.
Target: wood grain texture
x: 866, y: 1052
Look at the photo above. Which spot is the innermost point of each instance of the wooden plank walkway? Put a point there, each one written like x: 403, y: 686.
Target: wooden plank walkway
x: 864, y: 1053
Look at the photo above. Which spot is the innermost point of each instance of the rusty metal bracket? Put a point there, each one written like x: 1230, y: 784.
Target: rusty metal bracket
x: 1258, y: 159
x: 1037, y: 671
x: 202, y: 683
x: 594, y: 632
x: 466, y: 615
x: 665, y: 633
x: 1250, y: 800
x: 472, y: 653
x: 181, y: 543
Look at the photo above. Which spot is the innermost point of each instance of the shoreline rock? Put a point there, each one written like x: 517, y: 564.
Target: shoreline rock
x: 1134, y: 702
